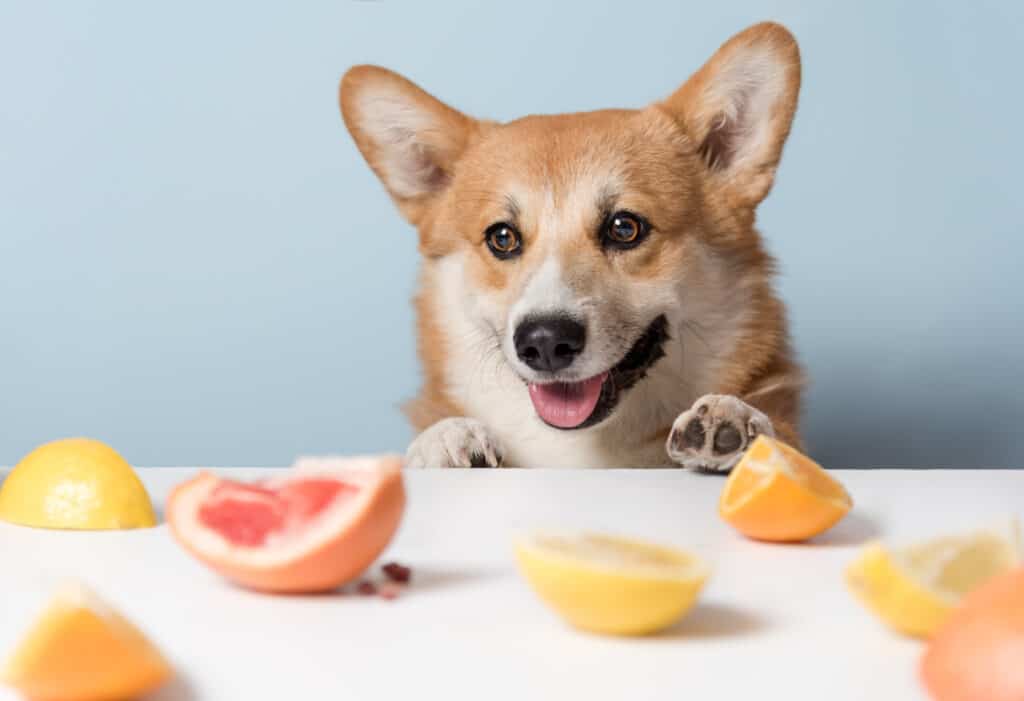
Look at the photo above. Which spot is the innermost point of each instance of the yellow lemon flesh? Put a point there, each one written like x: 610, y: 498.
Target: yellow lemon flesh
x: 82, y: 650
x: 75, y: 483
x: 913, y: 589
x: 611, y: 585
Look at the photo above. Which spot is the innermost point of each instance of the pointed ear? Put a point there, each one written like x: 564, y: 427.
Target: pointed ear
x: 739, y: 106
x: 410, y: 139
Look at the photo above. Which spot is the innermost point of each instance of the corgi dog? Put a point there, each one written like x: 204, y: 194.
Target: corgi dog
x: 593, y: 290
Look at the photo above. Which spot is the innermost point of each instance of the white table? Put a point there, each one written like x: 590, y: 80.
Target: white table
x: 773, y: 619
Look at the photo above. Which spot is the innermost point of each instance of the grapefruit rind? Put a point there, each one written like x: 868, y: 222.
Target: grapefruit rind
x: 976, y: 654
x: 333, y: 547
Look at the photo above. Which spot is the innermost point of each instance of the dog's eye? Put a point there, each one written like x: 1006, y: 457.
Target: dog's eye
x: 503, y: 240
x: 624, y: 230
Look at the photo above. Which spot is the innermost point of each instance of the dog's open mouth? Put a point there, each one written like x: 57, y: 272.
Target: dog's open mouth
x: 572, y: 405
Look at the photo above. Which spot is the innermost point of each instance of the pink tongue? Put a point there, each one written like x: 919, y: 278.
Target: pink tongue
x: 567, y: 404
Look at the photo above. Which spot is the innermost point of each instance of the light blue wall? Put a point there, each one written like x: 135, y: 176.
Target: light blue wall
x: 196, y: 266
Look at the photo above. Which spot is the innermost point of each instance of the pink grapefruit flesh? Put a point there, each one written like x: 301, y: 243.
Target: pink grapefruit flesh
x: 245, y: 514
x: 312, y: 529
x: 567, y: 404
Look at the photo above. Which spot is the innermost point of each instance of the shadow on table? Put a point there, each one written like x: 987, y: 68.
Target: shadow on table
x: 425, y: 578
x: 179, y: 689
x: 714, y: 620
x: 854, y: 529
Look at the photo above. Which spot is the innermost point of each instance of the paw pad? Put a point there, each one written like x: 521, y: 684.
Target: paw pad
x: 713, y: 434
x: 727, y: 439
x: 692, y: 437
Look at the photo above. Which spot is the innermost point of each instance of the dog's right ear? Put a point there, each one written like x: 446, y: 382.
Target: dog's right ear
x: 410, y: 139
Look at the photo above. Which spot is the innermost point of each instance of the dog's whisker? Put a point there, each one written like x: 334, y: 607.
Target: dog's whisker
x: 689, y: 387
x: 487, y: 347
x: 695, y: 328
x: 682, y: 359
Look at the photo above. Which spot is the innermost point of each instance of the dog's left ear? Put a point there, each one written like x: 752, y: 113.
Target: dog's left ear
x: 738, y: 109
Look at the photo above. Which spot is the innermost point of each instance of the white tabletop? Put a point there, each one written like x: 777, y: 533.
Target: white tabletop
x: 773, y: 619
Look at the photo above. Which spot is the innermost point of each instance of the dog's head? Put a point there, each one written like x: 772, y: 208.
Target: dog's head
x: 584, y: 240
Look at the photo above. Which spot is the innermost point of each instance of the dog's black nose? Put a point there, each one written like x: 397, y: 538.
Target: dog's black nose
x: 549, y: 343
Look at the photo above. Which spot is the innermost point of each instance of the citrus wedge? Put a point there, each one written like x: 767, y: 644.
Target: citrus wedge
x: 75, y: 483
x: 312, y: 528
x: 80, y: 649
x: 776, y: 493
x: 913, y: 589
x: 605, y: 584
x: 977, y: 652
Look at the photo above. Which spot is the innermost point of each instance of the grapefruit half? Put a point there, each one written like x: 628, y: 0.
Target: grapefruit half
x: 978, y: 654
x: 311, y: 529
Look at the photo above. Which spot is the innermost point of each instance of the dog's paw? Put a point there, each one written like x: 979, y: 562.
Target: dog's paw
x: 712, y: 435
x: 456, y: 442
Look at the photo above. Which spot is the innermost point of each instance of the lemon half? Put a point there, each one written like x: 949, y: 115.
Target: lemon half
x: 75, y: 483
x: 605, y: 584
x: 913, y: 589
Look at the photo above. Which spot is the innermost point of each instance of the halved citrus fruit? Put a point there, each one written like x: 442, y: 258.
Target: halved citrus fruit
x: 914, y: 588
x: 80, y: 649
x: 979, y: 652
x: 776, y: 493
x: 75, y: 483
x: 313, y: 528
x: 611, y: 585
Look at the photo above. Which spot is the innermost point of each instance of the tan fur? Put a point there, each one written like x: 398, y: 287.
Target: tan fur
x: 453, y: 176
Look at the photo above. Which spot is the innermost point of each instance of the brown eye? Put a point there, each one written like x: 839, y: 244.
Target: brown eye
x: 503, y: 240
x: 624, y: 230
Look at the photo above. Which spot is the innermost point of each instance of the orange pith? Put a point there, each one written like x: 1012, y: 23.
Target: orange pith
x: 776, y: 493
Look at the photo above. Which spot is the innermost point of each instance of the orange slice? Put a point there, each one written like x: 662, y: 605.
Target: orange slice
x: 778, y: 494
x: 82, y: 650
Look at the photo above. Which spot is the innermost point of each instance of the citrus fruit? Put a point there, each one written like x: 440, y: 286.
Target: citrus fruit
x: 914, y: 588
x: 75, y: 483
x: 978, y: 654
x: 313, y: 528
x: 606, y: 584
x: 80, y: 649
x: 776, y: 493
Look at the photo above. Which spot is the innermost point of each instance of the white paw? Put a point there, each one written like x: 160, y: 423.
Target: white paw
x: 712, y: 435
x: 454, y: 442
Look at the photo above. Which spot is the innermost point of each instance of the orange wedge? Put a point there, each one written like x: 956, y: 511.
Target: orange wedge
x: 778, y: 494
x: 82, y: 650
